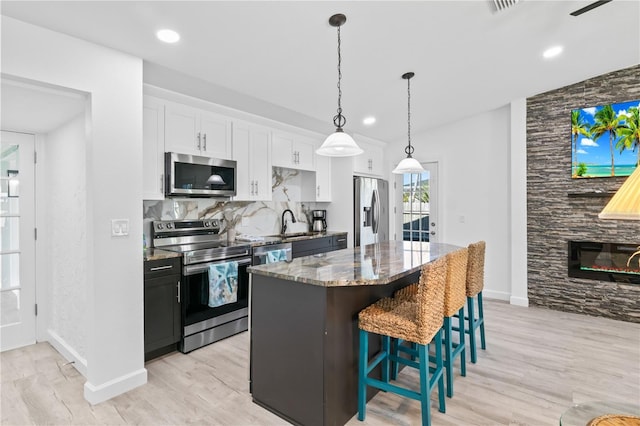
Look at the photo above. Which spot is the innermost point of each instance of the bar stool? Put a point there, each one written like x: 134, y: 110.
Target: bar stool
x: 419, y: 321
x: 454, y: 300
x: 475, y: 284
x: 455, y: 291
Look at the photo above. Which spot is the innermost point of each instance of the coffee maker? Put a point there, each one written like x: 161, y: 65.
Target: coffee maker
x: 319, y: 220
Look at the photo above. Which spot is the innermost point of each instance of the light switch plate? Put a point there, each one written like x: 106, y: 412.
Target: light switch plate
x: 119, y: 227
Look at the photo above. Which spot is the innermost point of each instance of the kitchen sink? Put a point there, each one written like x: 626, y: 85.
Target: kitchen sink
x: 297, y: 236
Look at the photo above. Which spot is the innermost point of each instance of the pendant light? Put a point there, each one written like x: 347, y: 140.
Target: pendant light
x: 339, y: 144
x: 409, y: 164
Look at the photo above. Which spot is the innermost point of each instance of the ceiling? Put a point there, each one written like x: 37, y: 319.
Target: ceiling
x: 279, y: 59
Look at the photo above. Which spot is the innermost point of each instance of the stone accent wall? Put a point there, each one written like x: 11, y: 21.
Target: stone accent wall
x: 554, y: 218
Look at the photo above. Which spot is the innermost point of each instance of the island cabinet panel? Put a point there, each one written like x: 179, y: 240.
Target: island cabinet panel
x: 304, y: 347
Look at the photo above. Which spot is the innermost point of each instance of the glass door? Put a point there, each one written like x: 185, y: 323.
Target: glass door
x: 419, y: 215
x: 17, y: 240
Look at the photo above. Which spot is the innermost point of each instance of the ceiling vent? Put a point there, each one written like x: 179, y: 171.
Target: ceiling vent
x: 504, y: 4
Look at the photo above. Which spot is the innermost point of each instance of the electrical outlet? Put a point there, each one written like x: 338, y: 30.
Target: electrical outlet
x: 119, y: 227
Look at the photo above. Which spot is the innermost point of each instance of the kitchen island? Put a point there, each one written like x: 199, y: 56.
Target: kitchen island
x: 304, y: 325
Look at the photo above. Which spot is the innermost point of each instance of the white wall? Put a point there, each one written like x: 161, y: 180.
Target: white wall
x: 114, y: 320
x: 474, y: 198
x: 65, y: 232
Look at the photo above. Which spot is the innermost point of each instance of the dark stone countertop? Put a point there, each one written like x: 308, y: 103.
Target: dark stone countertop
x: 159, y: 254
x: 374, y: 264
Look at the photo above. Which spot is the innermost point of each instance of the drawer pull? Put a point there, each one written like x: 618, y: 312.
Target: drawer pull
x: 161, y: 268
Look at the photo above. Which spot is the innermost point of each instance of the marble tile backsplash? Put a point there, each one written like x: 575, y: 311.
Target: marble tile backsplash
x: 246, y: 217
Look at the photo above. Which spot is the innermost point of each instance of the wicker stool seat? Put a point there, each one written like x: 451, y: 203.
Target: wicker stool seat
x: 419, y: 321
x: 454, y: 301
x: 474, y: 286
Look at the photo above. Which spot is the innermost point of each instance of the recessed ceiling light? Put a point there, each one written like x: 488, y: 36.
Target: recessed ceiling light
x: 552, y: 52
x: 369, y: 120
x: 168, y: 36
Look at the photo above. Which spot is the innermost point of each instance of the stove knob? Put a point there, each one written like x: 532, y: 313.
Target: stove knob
x: 159, y: 226
x: 169, y: 225
x: 207, y: 224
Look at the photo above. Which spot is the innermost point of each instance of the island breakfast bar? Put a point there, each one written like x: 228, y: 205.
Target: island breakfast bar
x: 304, y: 325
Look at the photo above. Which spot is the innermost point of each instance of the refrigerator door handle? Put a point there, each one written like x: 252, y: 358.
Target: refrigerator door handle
x: 375, y: 205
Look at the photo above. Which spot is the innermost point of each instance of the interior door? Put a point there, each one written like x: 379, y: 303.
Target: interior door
x: 17, y: 248
x: 420, y: 205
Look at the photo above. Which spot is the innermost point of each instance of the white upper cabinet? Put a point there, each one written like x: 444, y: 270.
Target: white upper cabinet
x: 251, y: 149
x: 323, y: 178
x: 292, y: 151
x: 194, y: 131
x: 370, y: 162
x: 153, y: 148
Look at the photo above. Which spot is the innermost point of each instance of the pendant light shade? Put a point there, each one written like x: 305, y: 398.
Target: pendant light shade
x: 339, y: 144
x: 409, y: 164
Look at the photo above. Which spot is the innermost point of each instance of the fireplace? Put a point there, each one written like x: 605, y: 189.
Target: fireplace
x: 605, y: 261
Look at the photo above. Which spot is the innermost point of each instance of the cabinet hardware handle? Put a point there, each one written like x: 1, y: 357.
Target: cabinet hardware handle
x: 198, y: 140
x: 341, y: 240
x: 257, y: 191
x: 204, y: 144
x: 318, y: 191
x: 162, y: 183
x: 252, y: 186
x: 178, y: 291
x: 161, y: 268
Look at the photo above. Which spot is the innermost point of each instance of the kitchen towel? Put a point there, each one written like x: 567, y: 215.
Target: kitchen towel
x: 274, y: 256
x: 223, y: 283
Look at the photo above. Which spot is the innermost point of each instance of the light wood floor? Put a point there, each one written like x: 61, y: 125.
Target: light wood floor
x: 537, y: 364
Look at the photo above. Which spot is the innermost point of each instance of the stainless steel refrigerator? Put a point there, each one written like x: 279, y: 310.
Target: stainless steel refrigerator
x: 370, y: 207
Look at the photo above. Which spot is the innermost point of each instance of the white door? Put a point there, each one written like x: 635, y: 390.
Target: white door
x: 17, y: 248
x: 419, y: 205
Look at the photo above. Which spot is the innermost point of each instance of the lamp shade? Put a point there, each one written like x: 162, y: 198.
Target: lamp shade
x: 339, y: 144
x: 408, y: 165
x: 625, y: 203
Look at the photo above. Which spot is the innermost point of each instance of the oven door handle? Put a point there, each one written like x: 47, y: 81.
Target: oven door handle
x: 202, y: 267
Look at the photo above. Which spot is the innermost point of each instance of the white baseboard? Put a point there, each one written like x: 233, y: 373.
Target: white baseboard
x: 96, y: 394
x: 70, y: 354
x: 519, y: 301
x: 492, y: 294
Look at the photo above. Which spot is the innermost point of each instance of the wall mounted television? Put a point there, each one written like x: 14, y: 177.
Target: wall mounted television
x: 605, y: 140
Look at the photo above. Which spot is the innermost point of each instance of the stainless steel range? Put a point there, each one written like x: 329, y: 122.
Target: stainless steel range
x: 214, y: 288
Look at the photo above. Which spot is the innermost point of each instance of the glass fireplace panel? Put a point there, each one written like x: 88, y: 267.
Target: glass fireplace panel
x: 605, y: 261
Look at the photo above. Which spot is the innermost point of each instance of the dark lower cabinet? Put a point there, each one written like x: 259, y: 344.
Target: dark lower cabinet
x: 161, y: 307
x: 318, y: 245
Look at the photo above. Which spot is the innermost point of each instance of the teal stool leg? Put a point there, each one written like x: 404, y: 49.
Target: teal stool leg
x: 385, y: 361
x: 363, y: 360
x: 472, y: 329
x: 483, y: 344
x: 438, y: 372
x: 394, y: 364
x: 425, y: 401
x: 463, y: 356
x: 448, y: 352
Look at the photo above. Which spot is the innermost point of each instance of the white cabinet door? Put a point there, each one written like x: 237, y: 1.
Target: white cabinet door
x: 323, y: 178
x: 251, y: 152
x: 282, y: 149
x: 215, y: 134
x: 181, y: 129
x: 197, y: 132
x: 153, y: 149
x: 370, y: 161
x: 260, y: 163
x: 292, y: 151
x: 303, y: 153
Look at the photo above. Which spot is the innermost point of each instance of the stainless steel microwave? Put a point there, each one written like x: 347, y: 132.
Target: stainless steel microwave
x: 195, y: 176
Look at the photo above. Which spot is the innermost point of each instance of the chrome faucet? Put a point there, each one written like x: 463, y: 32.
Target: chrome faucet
x: 284, y: 224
